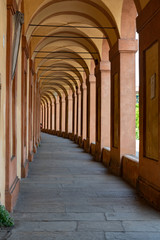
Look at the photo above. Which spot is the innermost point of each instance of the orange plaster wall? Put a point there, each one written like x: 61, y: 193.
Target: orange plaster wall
x: 19, y: 114
x: 3, y: 25
x: 151, y: 119
x: 149, y: 168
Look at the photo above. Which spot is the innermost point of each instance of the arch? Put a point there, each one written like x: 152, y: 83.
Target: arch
x: 67, y: 71
x: 128, y: 22
x: 99, y: 9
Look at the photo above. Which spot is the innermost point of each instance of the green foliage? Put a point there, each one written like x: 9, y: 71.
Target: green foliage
x: 5, y: 219
x: 137, y: 121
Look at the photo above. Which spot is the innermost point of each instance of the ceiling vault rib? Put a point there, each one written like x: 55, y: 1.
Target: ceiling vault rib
x: 66, y: 52
x: 58, y: 76
x: 60, y: 70
x: 70, y: 26
x: 63, y: 67
x: 62, y: 58
x: 69, y: 37
x: 56, y: 79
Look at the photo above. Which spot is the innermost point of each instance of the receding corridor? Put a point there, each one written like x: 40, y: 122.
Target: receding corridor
x: 68, y: 196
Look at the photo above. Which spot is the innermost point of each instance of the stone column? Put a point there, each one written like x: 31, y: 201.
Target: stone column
x: 103, y: 108
x: 34, y: 113
x: 49, y: 116
x: 63, y: 117
x: 43, y: 123
x: 46, y: 116
x: 38, y: 115
x: 24, y: 110
x: 53, y: 115
x: 105, y: 68
x: 122, y: 57
x: 92, y: 109
x: 84, y: 119
x: 70, y: 112
x: 79, y: 112
x: 41, y: 114
x: 57, y: 113
x: 75, y: 113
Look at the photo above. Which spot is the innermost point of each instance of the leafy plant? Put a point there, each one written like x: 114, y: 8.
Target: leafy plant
x: 137, y: 121
x: 5, y: 219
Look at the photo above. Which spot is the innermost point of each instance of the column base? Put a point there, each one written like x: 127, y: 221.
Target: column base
x: 34, y: 149
x: 30, y: 157
x: 98, y: 152
x: 150, y: 192
x: 106, y: 156
x: 93, y: 149
x: 80, y: 142
x: 86, y: 145
x: 66, y: 135
x: 11, y: 195
x: 24, y: 169
x: 115, y: 168
x: 76, y: 138
x: 37, y: 144
x: 53, y: 132
x: 50, y: 131
x: 63, y: 134
x: 58, y: 133
x: 71, y: 136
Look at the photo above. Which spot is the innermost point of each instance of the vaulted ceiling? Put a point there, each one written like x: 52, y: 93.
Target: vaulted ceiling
x: 66, y: 37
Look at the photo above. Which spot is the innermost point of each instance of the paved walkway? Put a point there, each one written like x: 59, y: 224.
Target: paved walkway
x: 68, y: 196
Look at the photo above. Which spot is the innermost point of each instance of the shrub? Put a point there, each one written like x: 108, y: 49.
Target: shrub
x: 137, y: 121
x: 5, y: 219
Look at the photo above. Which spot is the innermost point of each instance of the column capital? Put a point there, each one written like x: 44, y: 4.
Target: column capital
x: 105, y: 66
x: 70, y: 98
x: 92, y: 78
x: 53, y: 102
x: 57, y: 100
x: 79, y: 91
x: 63, y: 100
x: 84, y: 86
x: 70, y: 93
x: 75, y: 94
x: 123, y: 46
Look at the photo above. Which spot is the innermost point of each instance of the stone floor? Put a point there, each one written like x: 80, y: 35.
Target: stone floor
x: 68, y: 196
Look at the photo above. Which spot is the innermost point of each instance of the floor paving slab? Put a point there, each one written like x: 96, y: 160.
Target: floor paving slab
x: 59, y: 236
x: 142, y: 226
x: 68, y: 196
x: 3, y: 234
x: 59, y: 216
x: 132, y: 236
